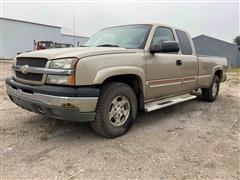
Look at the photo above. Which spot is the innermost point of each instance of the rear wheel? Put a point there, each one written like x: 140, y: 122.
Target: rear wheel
x: 210, y: 94
x: 116, y: 110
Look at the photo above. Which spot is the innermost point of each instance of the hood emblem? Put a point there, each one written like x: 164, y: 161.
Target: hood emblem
x: 24, y: 69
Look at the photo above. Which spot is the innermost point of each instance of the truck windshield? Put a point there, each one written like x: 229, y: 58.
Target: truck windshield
x: 130, y: 36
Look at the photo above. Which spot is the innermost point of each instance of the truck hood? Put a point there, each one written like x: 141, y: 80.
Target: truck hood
x: 79, y: 52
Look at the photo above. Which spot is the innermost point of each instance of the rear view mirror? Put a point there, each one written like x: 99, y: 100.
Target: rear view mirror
x: 166, y: 46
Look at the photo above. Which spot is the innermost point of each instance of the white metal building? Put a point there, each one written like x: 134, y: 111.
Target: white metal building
x: 18, y: 36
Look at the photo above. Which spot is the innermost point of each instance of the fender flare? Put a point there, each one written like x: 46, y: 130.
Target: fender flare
x: 215, y: 69
x: 108, y: 72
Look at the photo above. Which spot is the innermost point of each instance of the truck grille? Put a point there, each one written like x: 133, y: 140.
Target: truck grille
x: 29, y: 76
x: 31, y: 62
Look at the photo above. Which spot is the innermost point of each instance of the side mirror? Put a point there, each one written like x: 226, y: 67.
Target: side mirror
x: 165, y: 46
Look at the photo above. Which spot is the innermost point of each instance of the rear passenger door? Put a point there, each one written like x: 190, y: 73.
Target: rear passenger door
x: 189, y: 66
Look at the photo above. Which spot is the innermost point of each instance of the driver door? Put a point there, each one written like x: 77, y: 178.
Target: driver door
x: 163, y: 70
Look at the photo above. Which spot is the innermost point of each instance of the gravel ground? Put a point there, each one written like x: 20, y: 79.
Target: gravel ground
x: 190, y: 140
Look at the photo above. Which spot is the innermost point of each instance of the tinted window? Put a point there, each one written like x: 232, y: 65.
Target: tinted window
x: 184, y: 42
x: 162, y: 34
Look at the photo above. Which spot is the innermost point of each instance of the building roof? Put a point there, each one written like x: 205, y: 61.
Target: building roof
x: 209, y: 37
x: 29, y: 22
x: 17, y: 20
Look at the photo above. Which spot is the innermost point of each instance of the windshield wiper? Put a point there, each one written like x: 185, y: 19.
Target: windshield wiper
x: 107, y: 45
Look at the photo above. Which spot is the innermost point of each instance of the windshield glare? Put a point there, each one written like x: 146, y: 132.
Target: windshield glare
x: 131, y: 36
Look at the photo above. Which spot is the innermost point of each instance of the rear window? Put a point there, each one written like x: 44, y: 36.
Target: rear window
x: 184, y: 42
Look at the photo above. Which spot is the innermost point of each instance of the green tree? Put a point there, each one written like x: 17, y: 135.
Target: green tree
x: 237, y: 40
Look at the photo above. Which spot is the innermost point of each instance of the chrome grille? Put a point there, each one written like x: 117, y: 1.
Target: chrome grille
x: 31, y: 62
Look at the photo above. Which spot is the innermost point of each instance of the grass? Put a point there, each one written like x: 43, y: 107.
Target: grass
x: 234, y: 69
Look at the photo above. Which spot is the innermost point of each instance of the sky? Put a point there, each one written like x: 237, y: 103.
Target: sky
x: 219, y: 19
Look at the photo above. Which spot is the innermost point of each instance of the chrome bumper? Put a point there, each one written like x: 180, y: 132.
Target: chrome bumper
x: 84, y: 104
x: 67, y: 108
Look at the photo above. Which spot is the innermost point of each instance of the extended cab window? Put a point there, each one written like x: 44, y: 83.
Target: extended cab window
x: 162, y: 34
x: 184, y: 42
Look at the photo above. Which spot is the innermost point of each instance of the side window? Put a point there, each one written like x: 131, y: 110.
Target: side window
x: 184, y: 42
x: 162, y: 34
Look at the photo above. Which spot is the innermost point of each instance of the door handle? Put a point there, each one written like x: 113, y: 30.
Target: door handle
x: 178, y: 62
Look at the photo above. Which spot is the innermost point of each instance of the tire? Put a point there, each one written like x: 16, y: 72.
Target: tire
x: 116, y: 100
x: 210, y: 94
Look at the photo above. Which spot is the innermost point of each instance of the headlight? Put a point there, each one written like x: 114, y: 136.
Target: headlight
x: 63, y: 63
x: 69, y: 63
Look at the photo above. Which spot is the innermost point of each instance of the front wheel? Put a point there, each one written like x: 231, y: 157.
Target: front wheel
x: 210, y: 94
x: 116, y: 110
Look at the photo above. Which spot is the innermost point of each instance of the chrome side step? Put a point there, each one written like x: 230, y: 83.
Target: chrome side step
x: 151, y: 106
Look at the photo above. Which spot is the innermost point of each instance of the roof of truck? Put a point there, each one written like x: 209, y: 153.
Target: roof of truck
x: 152, y: 24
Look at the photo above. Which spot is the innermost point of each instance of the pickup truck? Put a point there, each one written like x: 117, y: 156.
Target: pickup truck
x: 119, y: 71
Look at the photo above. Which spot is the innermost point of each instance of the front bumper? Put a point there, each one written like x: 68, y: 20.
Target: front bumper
x: 66, y: 103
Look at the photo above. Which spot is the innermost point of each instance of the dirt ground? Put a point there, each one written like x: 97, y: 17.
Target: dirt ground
x: 191, y: 140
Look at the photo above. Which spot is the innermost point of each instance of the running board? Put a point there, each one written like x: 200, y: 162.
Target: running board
x: 151, y: 106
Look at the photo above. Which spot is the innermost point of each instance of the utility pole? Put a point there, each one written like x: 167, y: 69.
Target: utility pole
x: 74, y: 32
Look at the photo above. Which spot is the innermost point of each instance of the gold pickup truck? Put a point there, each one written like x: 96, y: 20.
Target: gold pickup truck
x: 117, y: 72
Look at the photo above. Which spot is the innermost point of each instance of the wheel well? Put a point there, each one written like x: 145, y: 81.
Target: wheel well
x: 219, y: 73
x: 134, y: 82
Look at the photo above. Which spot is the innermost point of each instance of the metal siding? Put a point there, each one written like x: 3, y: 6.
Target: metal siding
x: 19, y: 36
x: 209, y: 46
x: 1, y: 37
